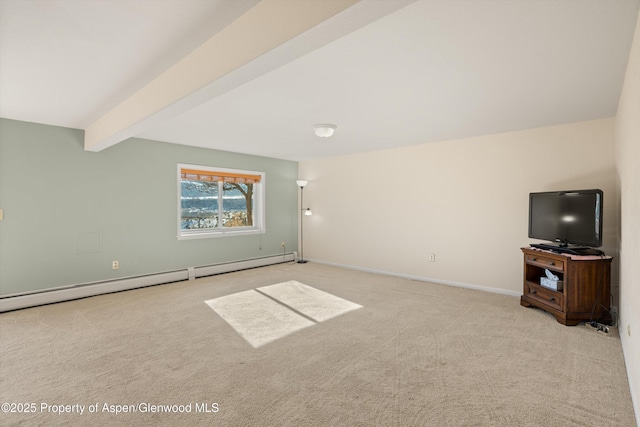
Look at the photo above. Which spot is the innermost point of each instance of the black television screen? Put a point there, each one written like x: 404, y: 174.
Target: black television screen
x: 567, y: 217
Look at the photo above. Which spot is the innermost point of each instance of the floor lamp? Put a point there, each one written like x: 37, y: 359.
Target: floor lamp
x: 303, y: 212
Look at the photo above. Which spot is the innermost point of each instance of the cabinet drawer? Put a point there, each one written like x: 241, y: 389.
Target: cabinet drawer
x: 545, y: 262
x: 545, y: 296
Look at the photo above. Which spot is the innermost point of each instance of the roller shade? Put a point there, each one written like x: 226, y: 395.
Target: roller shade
x: 216, y: 176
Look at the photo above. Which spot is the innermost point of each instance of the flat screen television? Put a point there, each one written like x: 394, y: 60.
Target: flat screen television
x: 570, y: 219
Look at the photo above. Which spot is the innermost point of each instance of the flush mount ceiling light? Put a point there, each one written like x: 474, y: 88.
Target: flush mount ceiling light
x: 324, y: 130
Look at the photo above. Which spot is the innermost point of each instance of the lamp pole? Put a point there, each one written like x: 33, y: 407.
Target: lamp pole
x: 302, y: 183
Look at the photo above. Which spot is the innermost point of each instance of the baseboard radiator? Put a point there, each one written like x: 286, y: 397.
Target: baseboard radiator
x: 66, y: 293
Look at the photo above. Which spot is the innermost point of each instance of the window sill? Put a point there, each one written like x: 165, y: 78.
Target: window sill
x: 208, y: 234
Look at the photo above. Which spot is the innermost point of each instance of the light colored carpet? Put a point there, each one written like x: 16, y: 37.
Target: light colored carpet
x: 415, y: 354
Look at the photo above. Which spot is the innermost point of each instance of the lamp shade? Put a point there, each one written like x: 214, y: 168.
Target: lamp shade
x: 324, y: 130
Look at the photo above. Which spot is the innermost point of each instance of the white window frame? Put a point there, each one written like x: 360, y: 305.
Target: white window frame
x: 259, y: 222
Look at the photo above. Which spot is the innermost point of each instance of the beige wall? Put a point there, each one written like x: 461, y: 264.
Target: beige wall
x: 627, y: 144
x: 464, y: 200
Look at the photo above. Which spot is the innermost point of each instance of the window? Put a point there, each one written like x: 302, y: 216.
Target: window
x: 219, y: 202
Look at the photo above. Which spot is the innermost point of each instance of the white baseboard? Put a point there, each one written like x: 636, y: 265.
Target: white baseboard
x: 423, y: 279
x: 211, y: 270
x: 630, y: 359
x: 48, y: 296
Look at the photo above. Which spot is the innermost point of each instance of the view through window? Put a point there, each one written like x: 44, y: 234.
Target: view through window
x: 215, y: 201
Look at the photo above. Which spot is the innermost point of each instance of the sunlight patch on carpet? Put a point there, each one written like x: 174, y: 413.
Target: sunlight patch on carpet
x: 312, y: 302
x: 272, y: 312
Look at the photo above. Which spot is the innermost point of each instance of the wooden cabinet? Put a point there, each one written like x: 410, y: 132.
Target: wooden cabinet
x: 586, y: 289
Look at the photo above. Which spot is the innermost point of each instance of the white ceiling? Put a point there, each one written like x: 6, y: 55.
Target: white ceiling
x: 388, y: 73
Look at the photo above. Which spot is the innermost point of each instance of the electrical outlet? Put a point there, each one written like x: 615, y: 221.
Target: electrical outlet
x: 282, y: 245
x: 115, y: 265
x: 432, y: 257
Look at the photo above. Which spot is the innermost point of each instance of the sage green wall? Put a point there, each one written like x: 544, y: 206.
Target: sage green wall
x: 69, y: 213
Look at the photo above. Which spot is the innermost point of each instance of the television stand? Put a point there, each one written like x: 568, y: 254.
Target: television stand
x: 585, y: 294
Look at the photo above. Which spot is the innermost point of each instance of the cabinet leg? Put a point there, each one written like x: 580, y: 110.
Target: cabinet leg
x: 567, y: 322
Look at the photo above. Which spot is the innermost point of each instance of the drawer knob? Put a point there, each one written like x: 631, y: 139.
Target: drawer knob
x: 552, y: 263
x: 552, y: 299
